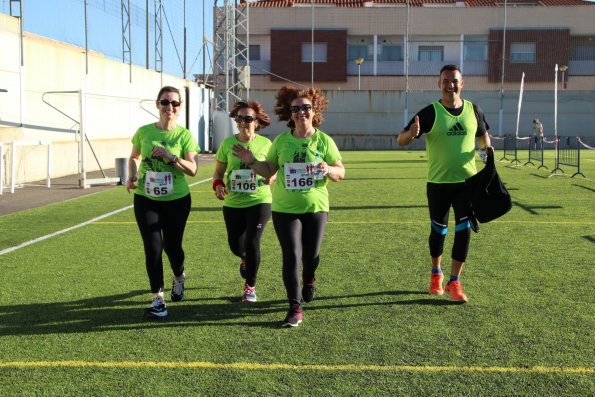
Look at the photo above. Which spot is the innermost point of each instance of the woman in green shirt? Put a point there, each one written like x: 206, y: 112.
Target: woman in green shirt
x: 304, y: 159
x: 162, y: 154
x: 246, y: 196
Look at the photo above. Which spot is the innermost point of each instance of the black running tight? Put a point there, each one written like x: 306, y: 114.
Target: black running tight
x: 161, y: 225
x: 245, y: 227
x: 300, y: 236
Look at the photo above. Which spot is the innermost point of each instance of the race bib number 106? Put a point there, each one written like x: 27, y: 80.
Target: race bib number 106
x: 243, y: 181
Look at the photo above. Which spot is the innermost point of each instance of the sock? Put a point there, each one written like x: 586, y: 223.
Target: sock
x: 436, y: 271
x: 453, y: 278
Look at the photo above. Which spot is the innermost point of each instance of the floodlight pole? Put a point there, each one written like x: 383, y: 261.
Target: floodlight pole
x: 358, y: 62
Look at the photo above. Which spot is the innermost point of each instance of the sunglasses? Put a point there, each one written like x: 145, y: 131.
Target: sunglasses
x: 165, y: 102
x: 244, y: 119
x: 306, y: 107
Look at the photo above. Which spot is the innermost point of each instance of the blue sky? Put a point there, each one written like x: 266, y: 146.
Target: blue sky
x: 64, y: 20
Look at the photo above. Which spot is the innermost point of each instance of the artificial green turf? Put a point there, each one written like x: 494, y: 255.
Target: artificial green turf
x: 529, y: 277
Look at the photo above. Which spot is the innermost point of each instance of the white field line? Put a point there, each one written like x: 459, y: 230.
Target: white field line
x: 68, y: 229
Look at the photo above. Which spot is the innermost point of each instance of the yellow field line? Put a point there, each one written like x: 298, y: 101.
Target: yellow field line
x: 377, y: 222
x: 295, y: 367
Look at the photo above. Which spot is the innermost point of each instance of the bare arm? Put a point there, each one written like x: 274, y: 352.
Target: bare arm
x: 219, y: 173
x: 484, y: 141
x: 133, y: 163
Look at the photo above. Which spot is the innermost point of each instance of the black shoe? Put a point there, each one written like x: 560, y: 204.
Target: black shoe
x: 177, y: 289
x: 308, y: 292
x: 243, y: 270
x: 157, y: 309
x: 293, y: 318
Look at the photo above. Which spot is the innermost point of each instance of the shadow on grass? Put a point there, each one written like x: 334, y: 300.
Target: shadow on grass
x: 124, y: 312
x: 590, y: 239
x: 531, y: 209
x: 584, y: 187
x: 375, y: 207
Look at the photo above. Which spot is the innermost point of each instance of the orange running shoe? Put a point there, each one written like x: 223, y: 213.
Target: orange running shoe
x: 436, y: 284
x: 455, y: 290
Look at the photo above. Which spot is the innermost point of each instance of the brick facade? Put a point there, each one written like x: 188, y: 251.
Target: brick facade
x: 286, y: 55
x: 551, y: 48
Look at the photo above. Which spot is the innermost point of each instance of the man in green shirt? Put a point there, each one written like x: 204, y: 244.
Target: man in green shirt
x: 452, y: 126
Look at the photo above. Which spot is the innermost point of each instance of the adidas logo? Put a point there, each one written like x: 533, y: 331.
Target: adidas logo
x: 457, y: 129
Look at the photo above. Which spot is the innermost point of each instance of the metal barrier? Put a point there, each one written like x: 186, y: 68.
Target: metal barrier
x: 536, y: 151
x: 510, y: 148
x: 568, y: 153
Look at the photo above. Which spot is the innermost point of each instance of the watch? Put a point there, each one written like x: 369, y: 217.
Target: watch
x: 175, y: 159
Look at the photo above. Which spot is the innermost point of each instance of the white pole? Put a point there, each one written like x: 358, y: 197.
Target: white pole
x: 1, y: 162
x: 518, y: 114
x: 12, y: 167
x: 83, y: 181
x: 556, y: 105
x: 49, y: 183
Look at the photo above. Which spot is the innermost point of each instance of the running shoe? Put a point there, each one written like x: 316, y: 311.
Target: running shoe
x: 157, y: 309
x: 455, y: 290
x: 249, y: 294
x: 436, y: 284
x: 293, y: 318
x: 177, y: 289
x: 308, y: 291
x: 243, y: 270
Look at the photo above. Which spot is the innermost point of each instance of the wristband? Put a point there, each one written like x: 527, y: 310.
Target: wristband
x: 217, y: 182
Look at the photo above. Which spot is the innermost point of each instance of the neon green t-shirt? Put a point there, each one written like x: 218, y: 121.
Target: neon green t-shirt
x: 259, y: 148
x: 178, y: 141
x: 288, y: 149
x: 450, y: 145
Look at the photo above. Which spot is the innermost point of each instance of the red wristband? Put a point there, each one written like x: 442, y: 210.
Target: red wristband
x: 217, y: 182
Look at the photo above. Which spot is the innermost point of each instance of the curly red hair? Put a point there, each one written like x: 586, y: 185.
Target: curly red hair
x: 261, y: 116
x: 288, y: 93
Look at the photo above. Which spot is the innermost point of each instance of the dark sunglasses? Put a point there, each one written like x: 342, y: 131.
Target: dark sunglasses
x: 245, y: 119
x: 165, y: 102
x: 306, y: 107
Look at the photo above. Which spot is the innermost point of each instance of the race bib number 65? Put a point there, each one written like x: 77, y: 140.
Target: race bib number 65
x: 159, y: 184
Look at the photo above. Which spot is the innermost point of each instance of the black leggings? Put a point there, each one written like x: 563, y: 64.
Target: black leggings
x: 245, y: 227
x: 441, y: 196
x: 161, y: 225
x: 300, y: 236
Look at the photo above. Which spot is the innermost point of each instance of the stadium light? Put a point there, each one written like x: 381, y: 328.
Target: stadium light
x: 358, y: 62
x: 563, y: 68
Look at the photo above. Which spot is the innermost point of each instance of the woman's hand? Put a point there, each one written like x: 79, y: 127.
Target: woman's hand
x: 163, y: 153
x: 220, y: 192
x: 244, y: 154
x: 131, y: 183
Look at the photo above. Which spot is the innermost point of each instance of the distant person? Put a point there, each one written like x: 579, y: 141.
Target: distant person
x: 452, y: 126
x: 162, y: 154
x: 247, y: 196
x: 305, y: 159
x: 538, y: 128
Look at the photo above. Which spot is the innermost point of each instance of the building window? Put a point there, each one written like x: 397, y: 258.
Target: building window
x: 318, y: 50
x: 475, y: 49
x: 357, y: 51
x: 390, y: 53
x: 522, y: 53
x: 583, y: 52
x: 254, y: 51
x: 430, y: 53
